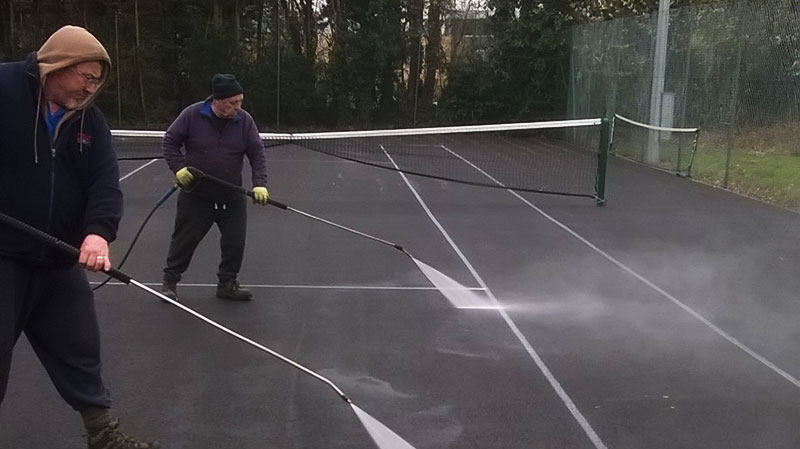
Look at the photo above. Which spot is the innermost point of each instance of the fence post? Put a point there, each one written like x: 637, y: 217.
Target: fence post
x: 652, y: 154
x: 734, y: 99
x: 118, y: 67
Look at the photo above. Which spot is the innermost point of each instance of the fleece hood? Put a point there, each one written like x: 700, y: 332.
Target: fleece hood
x: 68, y: 46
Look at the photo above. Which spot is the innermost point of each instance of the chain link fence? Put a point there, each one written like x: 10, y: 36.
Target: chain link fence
x: 732, y: 69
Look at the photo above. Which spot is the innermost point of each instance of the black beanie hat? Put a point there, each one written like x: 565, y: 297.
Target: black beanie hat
x: 224, y: 85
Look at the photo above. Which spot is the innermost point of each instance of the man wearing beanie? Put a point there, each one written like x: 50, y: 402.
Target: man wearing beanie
x: 213, y: 136
x: 56, y: 154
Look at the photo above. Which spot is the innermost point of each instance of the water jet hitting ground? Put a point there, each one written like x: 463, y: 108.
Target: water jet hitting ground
x: 459, y: 296
x: 383, y: 437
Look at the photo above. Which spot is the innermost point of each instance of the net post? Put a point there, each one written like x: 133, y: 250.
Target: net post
x: 611, y: 135
x: 602, y: 162
x: 694, y: 151
x: 678, y: 161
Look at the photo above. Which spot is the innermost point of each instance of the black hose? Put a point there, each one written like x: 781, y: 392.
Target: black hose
x: 139, y: 232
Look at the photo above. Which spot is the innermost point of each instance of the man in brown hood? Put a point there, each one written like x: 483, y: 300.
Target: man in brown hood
x: 58, y: 173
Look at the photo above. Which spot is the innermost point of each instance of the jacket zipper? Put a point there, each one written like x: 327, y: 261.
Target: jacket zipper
x: 51, y: 201
x: 52, y: 187
x: 53, y: 145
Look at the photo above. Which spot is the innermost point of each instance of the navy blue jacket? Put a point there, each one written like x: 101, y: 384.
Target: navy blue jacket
x: 67, y: 186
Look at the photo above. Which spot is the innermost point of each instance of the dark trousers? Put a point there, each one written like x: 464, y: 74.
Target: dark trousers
x: 193, y: 220
x: 55, y: 309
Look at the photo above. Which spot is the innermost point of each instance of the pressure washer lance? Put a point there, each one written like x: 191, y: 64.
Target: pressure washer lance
x: 197, y: 173
x: 125, y: 279
x: 383, y: 436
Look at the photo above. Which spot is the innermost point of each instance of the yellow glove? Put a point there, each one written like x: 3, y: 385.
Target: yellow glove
x: 260, y: 195
x: 184, y: 177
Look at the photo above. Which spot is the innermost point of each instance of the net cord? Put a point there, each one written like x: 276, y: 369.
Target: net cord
x: 395, y: 132
x: 657, y: 128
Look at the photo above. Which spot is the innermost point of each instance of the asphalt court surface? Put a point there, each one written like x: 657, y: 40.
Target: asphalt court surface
x: 666, y: 319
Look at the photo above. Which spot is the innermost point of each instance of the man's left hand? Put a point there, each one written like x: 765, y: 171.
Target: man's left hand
x: 260, y: 195
x: 94, y: 253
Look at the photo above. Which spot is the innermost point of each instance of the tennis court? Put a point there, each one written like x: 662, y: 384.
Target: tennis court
x: 665, y: 319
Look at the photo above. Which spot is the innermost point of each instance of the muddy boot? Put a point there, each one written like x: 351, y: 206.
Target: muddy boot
x: 170, y: 290
x: 231, y: 290
x: 102, y: 432
x: 110, y: 437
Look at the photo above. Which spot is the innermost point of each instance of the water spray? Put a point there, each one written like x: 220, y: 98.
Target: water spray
x: 458, y: 295
x: 383, y: 437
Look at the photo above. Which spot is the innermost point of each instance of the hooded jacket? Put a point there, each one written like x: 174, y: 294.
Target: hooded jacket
x: 68, y: 185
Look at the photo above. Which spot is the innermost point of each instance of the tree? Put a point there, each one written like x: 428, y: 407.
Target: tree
x: 366, y: 50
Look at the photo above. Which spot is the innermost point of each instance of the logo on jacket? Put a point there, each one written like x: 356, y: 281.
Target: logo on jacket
x: 84, y: 139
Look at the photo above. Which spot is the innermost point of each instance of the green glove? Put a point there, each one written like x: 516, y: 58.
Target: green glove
x: 184, y: 177
x: 260, y: 195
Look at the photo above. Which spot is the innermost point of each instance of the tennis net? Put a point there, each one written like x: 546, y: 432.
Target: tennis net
x: 665, y: 148
x: 556, y: 157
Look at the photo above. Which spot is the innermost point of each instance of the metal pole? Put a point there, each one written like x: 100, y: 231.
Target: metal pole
x: 119, y: 84
x: 417, y: 75
x: 278, y: 93
x: 694, y: 151
x: 615, y: 74
x: 573, y: 99
x: 278, y: 68
x: 657, y: 90
x: 685, y: 94
x: 602, y: 162
x: 734, y: 106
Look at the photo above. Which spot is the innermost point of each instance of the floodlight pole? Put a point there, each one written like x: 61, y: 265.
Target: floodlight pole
x: 118, y: 68
x: 278, y: 68
x: 659, y: 69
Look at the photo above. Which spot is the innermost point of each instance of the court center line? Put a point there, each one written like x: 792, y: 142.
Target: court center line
x: 763, y: 360
x: 299, y: 286
x: 562, y: 394
x: 138, y: 169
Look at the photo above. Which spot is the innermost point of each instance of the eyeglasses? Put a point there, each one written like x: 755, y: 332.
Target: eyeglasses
x: 90, y: 80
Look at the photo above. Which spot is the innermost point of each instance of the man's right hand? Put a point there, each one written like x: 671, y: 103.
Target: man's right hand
x: 184, y: 177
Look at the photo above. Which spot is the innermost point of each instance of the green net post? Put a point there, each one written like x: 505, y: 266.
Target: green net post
x: 602, y: 162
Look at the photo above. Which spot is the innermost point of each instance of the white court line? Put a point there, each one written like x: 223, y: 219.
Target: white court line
x: 645, y: 281
x: 134, y: 172
x: 299, y: 286
x: 562, y: 394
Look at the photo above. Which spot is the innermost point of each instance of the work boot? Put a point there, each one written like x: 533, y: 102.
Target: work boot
x: 231, y: 290
x: 110, y: 437
x: 170, y: 290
